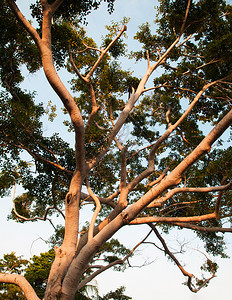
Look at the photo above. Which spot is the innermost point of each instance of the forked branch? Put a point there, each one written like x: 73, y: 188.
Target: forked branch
x: 114, y: 263
x: 176, y: 261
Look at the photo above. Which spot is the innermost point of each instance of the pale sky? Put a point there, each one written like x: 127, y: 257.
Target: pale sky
x: 160, y: 280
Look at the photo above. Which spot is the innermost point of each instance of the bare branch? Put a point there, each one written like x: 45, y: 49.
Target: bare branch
x: 170, y: 129
x: 159, y: 178
x: 75, y: 67
x: 175, y: 177
x: 42, y: 159
x: 187, y: 203
x: 201, y: 228
x: 130, y: 104
x: 184, y: 115
x: 44, y: 218
x: 148, y: 59
x: 146, y: 220
x: 108, y: 200
x: 88, y: 76
x: 123, y: 168
x: 21, y: 282
x: 185, y: 18
x: 95, y: 107
x: 188, y: 38
x: 155, y: 87
x: 191, y: 190
x: 184, y: 272
x: 117, y: 262
x: 218, y: 202
x: 96, y: 212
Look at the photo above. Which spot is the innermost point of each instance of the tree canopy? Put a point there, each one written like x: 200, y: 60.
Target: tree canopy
x: 172, y: 167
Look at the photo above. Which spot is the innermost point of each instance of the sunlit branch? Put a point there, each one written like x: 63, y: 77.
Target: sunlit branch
x: 148, y: 219
x: 44, y: 160
x: 21, y: 282
x: 185, y: 18
x: 175, y: 177
x: 27, y: 25
x: 218, y: 201
x: 191, y: 190
x: 148, y: 59
x: 104, y: 51
x: 95, y: 107
x: 167, y: 116
x: 129, y: 106
x: 202, y: 228
x: 187, y: 203
x: 154, y: 87
x: 159, y: 178
x: 91, y: 48
x: 108, y: 200
x: 202, y: 66
x: 178, y: 122
x: 176, y: 261
x: 96, y: 212
x: 44, y: 218
x: 157, y: 144
x: 188, y: 38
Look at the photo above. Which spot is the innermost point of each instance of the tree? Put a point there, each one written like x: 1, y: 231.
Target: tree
x: 166, y: 178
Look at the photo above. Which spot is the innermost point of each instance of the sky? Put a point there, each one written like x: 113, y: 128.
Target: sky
x: 160, y: 279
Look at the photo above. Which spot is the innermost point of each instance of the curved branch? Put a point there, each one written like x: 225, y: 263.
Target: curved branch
x: 96, y: 212
x: 107, y: 200
x: 191, y: 190
x: 184, y: 272
x: 44, y: 218
x: 21, y: 282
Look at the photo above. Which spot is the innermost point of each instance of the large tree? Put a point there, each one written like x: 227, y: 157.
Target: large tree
x: 172, y: 169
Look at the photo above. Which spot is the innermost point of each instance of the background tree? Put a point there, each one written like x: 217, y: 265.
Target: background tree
x: 164, y: 178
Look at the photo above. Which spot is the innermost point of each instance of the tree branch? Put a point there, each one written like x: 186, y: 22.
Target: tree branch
x: 27, y: 25
x: 175, y: 177
x: 42, y: 159
x: 191, y: 190
x: 103, y: 52
x: 107, y: 200
x: 184, y: 272
x: 21, y: 282
x: 201, y: 228
x: 97, y: 210
x: 104, y: 268
x: 146, y: 220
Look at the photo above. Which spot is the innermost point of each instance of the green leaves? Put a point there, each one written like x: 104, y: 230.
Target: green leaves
x: 72, y: 10
x: 38, y: 270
